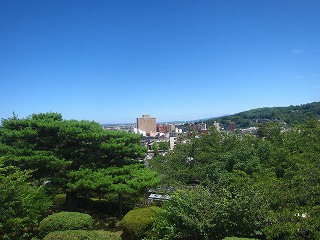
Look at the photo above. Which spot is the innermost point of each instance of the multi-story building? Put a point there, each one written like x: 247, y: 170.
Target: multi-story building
x: 147, y: 124
x: 171, y: 128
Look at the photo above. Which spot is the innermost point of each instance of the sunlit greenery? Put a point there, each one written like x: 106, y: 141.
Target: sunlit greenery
x: 290, y: 115
x: 246, y: 186
x: 218, y: 184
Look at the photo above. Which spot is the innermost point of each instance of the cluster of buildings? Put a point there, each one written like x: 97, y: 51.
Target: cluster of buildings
x: 162, y: 132
x: 167, y: 132
x: 147, y: 126
x: 153, y: 132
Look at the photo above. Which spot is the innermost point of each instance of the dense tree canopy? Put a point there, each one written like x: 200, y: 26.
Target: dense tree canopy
x: 291, y: 115
x: 225, y: 184
x: 73, y: 156
x: 21, y: 203
x: 124, y: 181
x: 244, y: 185
x: 51, y: 146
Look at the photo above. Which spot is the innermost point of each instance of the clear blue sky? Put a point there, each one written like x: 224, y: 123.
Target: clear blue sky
x: 113, y: 60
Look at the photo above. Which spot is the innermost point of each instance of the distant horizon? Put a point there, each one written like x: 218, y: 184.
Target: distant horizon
x: 169, y: 121
x: 112, y: 61
x: 200, y: 119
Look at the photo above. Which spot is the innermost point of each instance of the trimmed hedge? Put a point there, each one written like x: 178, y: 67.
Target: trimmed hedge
x: 237, y: 238
x: 138, y: 222
x: 59, y: 200
x: 81, y: 234
x: 66, y: 221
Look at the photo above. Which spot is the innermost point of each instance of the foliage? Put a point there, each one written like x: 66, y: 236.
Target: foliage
x: 52, y: 147
x: 28, y: 143
x: 164, y: 146
x: 210, y: 213
x: 291, y: 115
x: 59, y: 200
x: 211, y: 157
x: 236, y: 238
x: 155, y: 148
x: 126, y: 180
x: 21, y: 203
x: 81, y: 234
x: 299, y: 223
x: 107, y: 206
x: 263, y: 187
x: 138, y: 222
x: 66, y: 221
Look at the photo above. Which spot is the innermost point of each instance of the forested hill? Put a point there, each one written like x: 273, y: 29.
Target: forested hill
x: 291, y: 115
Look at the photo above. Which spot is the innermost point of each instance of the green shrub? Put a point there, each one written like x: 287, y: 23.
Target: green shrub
x: 237, y: 238
x: 66, y: 221
x: 138, y: 222
x: 81, y: 234
x: 59, y: 200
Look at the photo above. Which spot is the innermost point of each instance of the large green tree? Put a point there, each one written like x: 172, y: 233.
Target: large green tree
x: 51, y: 147
x: 125, y: 181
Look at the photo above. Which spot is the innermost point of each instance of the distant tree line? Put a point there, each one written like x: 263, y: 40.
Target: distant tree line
x: 291, y: 115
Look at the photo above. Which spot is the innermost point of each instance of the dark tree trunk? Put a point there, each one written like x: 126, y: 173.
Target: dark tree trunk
x: 120, y: 201
x: 71, y: 200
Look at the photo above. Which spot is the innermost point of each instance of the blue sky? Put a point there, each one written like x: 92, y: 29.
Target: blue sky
x: 113, y: 60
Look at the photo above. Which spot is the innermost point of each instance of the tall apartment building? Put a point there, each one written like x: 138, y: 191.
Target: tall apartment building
x: 147, y: 124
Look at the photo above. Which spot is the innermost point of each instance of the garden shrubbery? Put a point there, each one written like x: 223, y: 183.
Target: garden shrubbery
x: 237, y: 238
x: 81, y: 234
x: 59, y: 200
x: 138, y: 222
x: 102, y: 206
x: 66, y: 221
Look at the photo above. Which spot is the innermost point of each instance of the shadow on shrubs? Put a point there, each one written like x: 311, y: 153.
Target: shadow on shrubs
x: 102, y: 206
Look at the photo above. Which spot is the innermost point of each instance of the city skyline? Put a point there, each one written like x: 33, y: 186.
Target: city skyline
x: 113, y: 61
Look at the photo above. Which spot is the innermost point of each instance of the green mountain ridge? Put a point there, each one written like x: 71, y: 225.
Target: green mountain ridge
x: 291, y: 115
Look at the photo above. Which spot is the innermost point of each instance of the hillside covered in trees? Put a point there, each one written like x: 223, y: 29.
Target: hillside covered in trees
x: 290, y: 115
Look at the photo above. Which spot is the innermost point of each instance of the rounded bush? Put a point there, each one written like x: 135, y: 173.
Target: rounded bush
x: 81, y: 234
x: 138, y: 222
x: 59, y: 200
x: 66, y: 221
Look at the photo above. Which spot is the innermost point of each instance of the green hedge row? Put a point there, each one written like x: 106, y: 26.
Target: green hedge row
x: 81, y: 234
x: 237, y: 238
